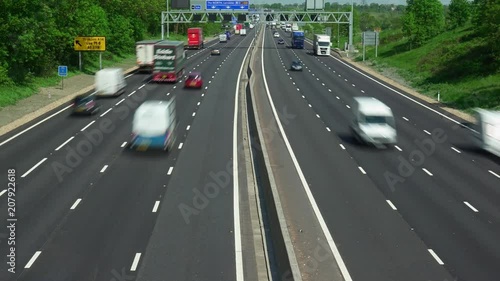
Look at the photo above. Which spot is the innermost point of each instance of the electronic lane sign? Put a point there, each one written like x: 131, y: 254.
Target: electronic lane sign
x: 196, y: 7
x: 227, y: 5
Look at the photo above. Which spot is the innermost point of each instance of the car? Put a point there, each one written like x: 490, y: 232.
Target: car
x: 276, y: 35
x: 281, y: 41
x: 194, y: 80
x: 215, y: 52
x: 85, y: 104
x: 296, y: 65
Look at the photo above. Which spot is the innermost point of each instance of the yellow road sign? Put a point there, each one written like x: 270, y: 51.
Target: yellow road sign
x: 95, y: 44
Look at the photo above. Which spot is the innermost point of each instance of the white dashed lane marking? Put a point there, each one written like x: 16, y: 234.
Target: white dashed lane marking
x: 392, y: 205
x: 33, y: 259
x: 34, y: 167
x: 64, y: 143
x: 471, y: 207
x: 170, y: 170
x: 76, y: 204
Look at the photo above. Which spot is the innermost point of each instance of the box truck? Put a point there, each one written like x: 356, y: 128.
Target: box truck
x: 195, y: 38
x: 321, y: 45
x: 170, y: 59
x: 243, y: 32
x: 222, y: 38
x: 144, y: 51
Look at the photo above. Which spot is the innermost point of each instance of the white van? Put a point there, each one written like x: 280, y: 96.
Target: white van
x: 154, y: 125
x: 373, y: 122
x: 222, y: 38
x: 110, y: 82
x: 488, y: 126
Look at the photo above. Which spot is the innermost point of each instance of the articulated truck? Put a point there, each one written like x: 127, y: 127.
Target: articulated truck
x: 321, y: 45
x: 144, y: 51
x: 169, y: 61
x: 297, y: 40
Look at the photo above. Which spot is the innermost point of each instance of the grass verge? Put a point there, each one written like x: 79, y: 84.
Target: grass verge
x: 454, y: 64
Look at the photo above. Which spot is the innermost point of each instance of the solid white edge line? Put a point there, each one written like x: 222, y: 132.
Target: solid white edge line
x: 236, y: 193
x: 170, y: 170
x: 495, y: 174
x: 405, y: 96
x: 471, y: 207
x: 64, y: 143
x: 124, y: 144
x: 34, y: 167
x: 104, y: 168
x: 88, y: 125
x: 135, y: 262
x: 3, y: 191
x: 76, y: 203
x: 435, y: 256
x: 155, y: 208
x: 324, y: 227
x: 120, y: 102
x: 34, y: 125
x: 33, y: 259
x: 392, y: 205
x: 427, y: 171
x: 105, y: 112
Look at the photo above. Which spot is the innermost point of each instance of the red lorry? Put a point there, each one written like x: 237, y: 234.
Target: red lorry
x: 195, y: 38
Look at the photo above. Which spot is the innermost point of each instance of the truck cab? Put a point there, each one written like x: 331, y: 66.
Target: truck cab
x: 321, y: 45
x: 373, y: 122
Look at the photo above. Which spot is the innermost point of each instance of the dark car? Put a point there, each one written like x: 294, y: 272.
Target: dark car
x: 296, y: 65
x: 194, y: 80
x: 281, y: 41
x: 85, y: 104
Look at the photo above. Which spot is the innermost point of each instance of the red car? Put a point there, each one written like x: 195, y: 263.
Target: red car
x: 194, y: 80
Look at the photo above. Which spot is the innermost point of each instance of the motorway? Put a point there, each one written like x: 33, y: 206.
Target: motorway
x: 89, y: 209
x: 446, y: 192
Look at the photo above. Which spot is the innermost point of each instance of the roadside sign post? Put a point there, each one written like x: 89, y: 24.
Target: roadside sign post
x: 90, y: 44
x: 63, y: 72
x: 370, y: 39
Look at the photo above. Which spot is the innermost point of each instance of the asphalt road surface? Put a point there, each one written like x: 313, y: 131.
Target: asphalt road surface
x: 87, y: 206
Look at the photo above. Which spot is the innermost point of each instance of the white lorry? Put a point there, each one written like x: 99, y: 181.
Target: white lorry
x: 321, y: 45
x: 373, y: 122
x: 488, y: 126
x: 295, y: 27
x: 144, y: 51
x: 243, y: 32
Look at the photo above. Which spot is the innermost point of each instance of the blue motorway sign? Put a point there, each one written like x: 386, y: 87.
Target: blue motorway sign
x: 195, y: 7
x: 63, y: 70
x: 227, y: 5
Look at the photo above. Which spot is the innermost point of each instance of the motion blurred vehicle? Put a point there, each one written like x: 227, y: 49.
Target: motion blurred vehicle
x: 110, y: 82
x: 373, y: 122
x: 154, y: 126
x: 296, y: 65
x: 194, y: 80
x: 488, y: 127
x: 215, y: 52
x: 281, y: 41
x: 276, y: 35
x: 85, y: 104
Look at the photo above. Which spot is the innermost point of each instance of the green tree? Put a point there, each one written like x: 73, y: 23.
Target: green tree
x: 459, y: 13
x: 486, y: 20
x: 423, y: 20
